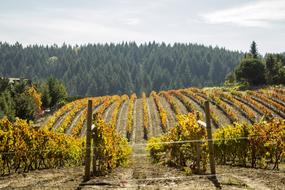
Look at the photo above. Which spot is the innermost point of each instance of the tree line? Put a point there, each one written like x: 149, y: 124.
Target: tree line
x: 101, y: 69
x: 256, y: 70
x: 25, y: 100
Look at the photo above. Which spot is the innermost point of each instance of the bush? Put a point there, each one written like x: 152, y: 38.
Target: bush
x: 251, y: 71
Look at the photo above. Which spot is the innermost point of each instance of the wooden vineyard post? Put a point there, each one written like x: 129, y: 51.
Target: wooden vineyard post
x: 210, y: 139
x: 95, y: 151
x: 88, y: 142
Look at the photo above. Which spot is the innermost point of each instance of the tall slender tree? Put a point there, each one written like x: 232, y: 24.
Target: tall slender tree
x: 253, y: 50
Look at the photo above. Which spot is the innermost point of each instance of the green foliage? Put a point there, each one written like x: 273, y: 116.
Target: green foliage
x: 253, y: 50
x: 251, y: 71
x: 26, y: 107
x: 19, y: 87
x: 181, y: 155
x: 230, y: 79
x: 46, y: 99
x: 126, y: 68
x: 275, y: 68
x: 57, y: 91
x: 1, y: 114
x: 19, y: 99
x: 7, y: 104
x: 53, y: 93
x: 4, y: 84
x: 26, y: 99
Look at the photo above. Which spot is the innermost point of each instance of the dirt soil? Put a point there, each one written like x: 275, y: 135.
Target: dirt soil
x: 123, y: 118
x: 107, y: 116
x: 154, y: 128
x: 143, y: 174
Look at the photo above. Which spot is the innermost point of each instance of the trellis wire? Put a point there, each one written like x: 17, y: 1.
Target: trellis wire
x: 144, y: 144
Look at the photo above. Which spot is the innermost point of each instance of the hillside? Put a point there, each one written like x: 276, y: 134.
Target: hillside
x: 227, y: 107
x: 97, y: 69
x: 142, y: 95
x: 147, y: 114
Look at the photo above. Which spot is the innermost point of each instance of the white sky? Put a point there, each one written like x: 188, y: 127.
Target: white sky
x: 225, y: 23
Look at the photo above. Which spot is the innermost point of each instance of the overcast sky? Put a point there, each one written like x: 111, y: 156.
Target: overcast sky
x: 231, y: 24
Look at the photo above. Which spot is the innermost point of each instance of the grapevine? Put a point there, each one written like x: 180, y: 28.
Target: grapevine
x: 70, y: 116
x: 172, y: 103
x: 108, y: 101
x: 276, y: 95
x: 181, y: 155
x: 200, y: 101
x: 161, y: 110
x: 261, y: 108
x: 184, y: 100
x: 80, y: 122
x: 247, y: 112
x: 260, y: 145
x: 25, y: 148
x: 52, y: 119
x: 145, y: 116
x: 130, y: 116
x: 115, y: 113
x: 278, y: 107
x: 111, y: 149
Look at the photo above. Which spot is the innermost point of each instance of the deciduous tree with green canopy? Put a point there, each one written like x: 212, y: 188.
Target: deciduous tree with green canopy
x: 250, y: 70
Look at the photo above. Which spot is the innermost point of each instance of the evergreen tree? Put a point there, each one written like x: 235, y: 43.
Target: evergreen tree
x: 26, y: 107
x: 7, y: 105
x: 56, y: 90
x: 4, y: 84
x: 101, y: 69
x: 253, y: 50
x: 275, y: 68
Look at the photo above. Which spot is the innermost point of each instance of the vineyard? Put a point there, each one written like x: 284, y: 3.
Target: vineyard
x: 138, y: 118
x: 157, y: 113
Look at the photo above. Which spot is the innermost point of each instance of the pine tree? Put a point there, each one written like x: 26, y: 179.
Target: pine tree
x: 253, y: 50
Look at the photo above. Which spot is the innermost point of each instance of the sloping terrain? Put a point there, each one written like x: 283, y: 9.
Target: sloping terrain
x: 141, y: 172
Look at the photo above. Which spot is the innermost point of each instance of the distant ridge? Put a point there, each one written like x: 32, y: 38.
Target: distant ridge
x: 99, y: 69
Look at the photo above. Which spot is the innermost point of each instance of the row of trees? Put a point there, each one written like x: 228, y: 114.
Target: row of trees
x: 25, y: 100
x: 100, y: 69
x: 256, y: 70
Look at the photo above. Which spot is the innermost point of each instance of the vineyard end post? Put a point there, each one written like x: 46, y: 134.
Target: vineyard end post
x: 94, y: 155
x: 210, y: 139
x: 88, y: 142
